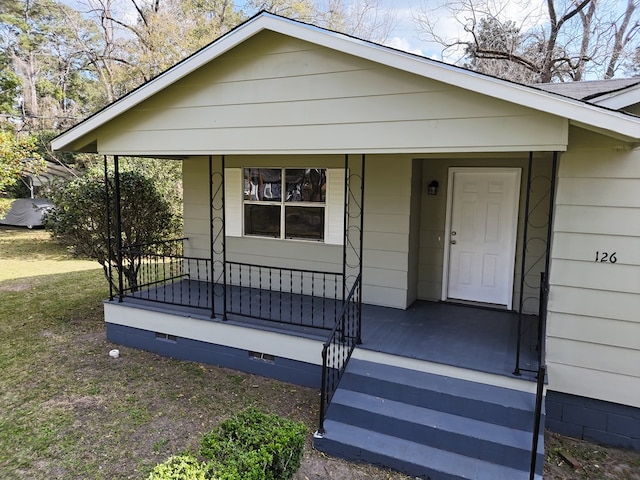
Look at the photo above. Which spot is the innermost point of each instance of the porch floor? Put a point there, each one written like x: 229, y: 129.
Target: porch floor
x: 474, y: 338
x: 469, y: 337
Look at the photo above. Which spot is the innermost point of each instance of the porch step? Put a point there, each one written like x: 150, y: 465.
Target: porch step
x: 414, y: 458
x: 497, y: 405
x: 429, y: 425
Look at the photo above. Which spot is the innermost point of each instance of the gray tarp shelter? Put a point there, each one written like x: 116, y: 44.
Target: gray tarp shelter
x: 26, y: 212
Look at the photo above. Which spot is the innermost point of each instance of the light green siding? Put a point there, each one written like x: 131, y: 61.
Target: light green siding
x: 276, y: 94
x: 593, y: 346
x: 387, y: 225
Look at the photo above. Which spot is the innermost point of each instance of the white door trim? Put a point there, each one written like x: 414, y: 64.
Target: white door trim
x: 447, y: 228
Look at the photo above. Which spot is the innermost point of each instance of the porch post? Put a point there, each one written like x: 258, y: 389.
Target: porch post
x: 223, y: 234
x: 345, y: 227
x: 211, y: 240
x: 361, y: 247
x: 218, y: 254
x: 352, y: 247
x: 552, y: 199
x: 108, y: 225
x: 116, y: 174
x: 542, y: 324
x: 523, y: 263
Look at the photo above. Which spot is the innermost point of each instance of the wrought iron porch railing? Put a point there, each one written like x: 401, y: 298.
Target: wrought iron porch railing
x: 305, y: 298
x: 338, y: 348
x: 160, y: 272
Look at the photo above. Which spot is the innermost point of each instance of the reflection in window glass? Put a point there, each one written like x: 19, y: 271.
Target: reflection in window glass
x: 304, y: 222
x: 295, y: 195
x: 263, y: 220
x: 306, y: 184
x: 263, y: 184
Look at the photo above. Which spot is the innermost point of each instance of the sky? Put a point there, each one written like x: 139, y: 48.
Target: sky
x: 405, y: 35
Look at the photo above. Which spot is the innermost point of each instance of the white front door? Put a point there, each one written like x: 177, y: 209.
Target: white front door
x: 482, y: 221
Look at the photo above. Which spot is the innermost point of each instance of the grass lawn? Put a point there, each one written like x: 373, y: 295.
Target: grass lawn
x: 69, y: 411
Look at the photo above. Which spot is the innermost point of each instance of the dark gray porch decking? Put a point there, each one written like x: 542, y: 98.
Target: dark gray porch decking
x: 474, y: 338
x: 468, y: 337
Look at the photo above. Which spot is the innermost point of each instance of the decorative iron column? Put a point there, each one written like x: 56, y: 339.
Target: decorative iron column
x: 116, y: 174
x: 536, y: 252
x: 107, y: 204
x: 353, y: 230
x: 218, y: 251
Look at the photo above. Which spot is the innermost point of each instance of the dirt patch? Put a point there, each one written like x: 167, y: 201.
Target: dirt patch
x: 15, y: 286
x: 571, y: 459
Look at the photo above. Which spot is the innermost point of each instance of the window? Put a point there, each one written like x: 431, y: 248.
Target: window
x: 285, y: 202
x: 238, y: 193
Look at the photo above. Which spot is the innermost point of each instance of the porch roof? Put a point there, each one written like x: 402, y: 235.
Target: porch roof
x: 612, y: 123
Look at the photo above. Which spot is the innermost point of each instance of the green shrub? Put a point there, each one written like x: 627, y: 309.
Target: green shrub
x: 181, y: 467
x: 255, y: 446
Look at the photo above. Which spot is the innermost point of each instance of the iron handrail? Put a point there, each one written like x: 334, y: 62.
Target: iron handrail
x: 542, y: 371
x: 308, y: 298
x: 142, y: 252
x: 326, y: 393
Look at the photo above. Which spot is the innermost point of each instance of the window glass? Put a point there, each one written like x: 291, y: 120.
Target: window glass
x: 263, y: 184
x: 263, y: 220
x: 291, y: 199
x: 304, y: 222
x: 306, y: 184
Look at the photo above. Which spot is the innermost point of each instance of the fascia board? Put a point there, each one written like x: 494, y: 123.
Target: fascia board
x: 620, y: 100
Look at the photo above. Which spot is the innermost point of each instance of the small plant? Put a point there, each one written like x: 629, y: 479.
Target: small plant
x: 181, y: 467
x: 255, y: 446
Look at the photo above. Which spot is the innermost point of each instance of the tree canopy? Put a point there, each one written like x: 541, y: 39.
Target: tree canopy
x: 79, y: 218
x: 550, y: 40
x: 18, y: 154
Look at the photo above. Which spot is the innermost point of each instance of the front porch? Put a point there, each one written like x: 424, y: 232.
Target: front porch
x: 473, y: 338
x: 430, y: 391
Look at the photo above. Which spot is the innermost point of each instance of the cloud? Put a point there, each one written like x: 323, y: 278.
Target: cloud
x: 402, y: 43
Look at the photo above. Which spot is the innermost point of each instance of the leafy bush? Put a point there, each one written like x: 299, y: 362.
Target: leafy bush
x: 255, y: 446
x: 181, y: 467
x: 79, y: 219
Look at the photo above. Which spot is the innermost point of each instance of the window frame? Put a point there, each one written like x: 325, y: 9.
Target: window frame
x: 283, y: 204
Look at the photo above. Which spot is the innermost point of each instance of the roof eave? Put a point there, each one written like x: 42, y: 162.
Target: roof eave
x: 621, y: 99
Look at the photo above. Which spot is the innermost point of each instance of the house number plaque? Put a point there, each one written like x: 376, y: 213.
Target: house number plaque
x: 606, y: 257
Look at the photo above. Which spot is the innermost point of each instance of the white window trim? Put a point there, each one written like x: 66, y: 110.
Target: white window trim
x: 334, y: 207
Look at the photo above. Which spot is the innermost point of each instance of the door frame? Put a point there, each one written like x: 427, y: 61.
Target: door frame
x: 447, y: 225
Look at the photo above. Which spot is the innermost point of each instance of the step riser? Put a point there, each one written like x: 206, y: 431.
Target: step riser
x: 356, y: 454
x: 441, y: 401
x: 431, y: 426
x: 469, y: 446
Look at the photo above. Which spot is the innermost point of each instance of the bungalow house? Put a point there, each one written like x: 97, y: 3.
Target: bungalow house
x: 443, y: 253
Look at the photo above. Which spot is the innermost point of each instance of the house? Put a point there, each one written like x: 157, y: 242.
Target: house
x: 426, y: 244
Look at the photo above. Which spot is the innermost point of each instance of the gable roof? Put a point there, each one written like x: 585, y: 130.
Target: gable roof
x: 615, y: 93
x: 586, y: 115
x: 588, y: 90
